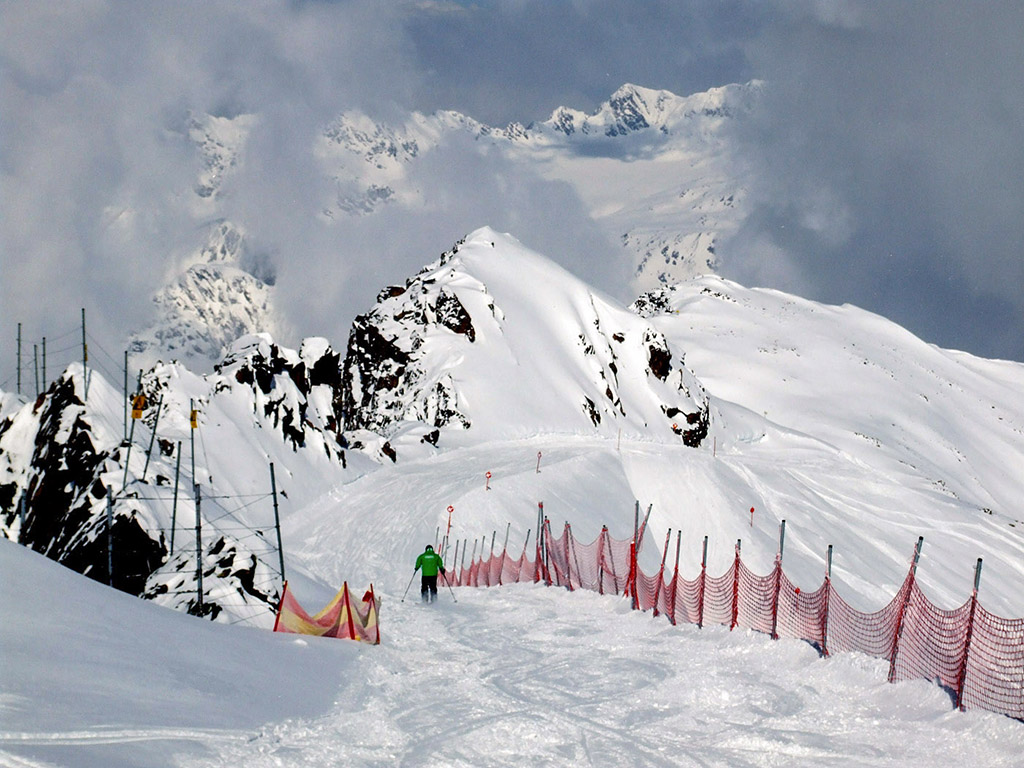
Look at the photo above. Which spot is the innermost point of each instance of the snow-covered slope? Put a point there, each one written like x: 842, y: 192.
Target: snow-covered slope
x: 499, y: 342
x: 507, y: 676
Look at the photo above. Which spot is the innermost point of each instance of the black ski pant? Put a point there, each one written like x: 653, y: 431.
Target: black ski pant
x: 429, y: 585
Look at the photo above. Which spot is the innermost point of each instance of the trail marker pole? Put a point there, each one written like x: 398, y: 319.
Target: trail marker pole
x: 19, y: 358
x: 174, y: 505
x: 152, y: 437
x: 962, y: 677
x: 277, y: 520
x: 110, y: 539
x: 35, y: 366
x: 450, y: 510
x: 778, y: 581
x: 437, y: 537
x: 538, y: 462
x: 462, y: 563
x: 487, y: 481
x: 751, y: 517
x: 44, y: 363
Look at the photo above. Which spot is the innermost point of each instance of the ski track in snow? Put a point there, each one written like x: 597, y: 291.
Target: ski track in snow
x: 523, y: 674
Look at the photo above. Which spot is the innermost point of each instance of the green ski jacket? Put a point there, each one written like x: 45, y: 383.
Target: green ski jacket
x: 430, y: 562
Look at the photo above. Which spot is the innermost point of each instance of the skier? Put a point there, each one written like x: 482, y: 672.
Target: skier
x: 431, y: 563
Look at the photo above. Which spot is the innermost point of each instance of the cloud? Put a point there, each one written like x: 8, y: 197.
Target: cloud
x: 888, y: 166
x: 97, y: 168
x: 886, y: 154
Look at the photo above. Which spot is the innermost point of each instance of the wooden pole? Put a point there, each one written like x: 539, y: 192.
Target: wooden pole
x: 44, y: 363
x: 35, y: 366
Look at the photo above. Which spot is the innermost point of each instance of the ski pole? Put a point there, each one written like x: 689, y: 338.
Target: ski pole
x: 445, y: 575
x: 408, y: 585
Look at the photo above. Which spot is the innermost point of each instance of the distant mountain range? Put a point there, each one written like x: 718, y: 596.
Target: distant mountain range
x: 655, y: 171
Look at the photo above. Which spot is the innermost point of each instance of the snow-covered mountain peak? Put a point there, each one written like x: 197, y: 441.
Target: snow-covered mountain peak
x: 220, y: 141
x: 494, y: 341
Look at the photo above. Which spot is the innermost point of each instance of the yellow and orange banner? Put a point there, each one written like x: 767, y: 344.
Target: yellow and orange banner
x: 342, y: 617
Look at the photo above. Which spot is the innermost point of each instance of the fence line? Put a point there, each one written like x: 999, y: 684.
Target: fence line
x: 976, y: 656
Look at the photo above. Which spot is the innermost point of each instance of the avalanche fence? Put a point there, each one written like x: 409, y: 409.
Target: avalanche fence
x: 976, y: 656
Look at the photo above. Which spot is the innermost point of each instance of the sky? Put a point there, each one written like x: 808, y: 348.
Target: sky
x: 886, y: 154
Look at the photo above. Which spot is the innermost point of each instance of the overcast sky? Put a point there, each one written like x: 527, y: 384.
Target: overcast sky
x: 888, y: 155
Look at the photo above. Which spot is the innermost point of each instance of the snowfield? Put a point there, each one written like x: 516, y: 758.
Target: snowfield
x: 515, y: 675
x: 839, y: 422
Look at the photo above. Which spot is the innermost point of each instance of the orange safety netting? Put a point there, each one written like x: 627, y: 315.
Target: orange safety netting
x: 977, y: 656
x: 342, y: 617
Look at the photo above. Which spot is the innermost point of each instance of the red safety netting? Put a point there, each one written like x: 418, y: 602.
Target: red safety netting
x: 977, y: 656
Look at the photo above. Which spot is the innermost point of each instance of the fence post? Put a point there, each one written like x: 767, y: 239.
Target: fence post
x: 778, y: 581
x: 199, y: 550
x: 568, y: 563
x: 455, y: 560
x: 828, y: 595
x: 21, y: 512
x: 538, y: 570
x: 661, y: 572
x: 277, y: 521
x: 675, y: 579
x: 631, y: 579
x: 736, y: 586
x: 903, y: 610
x: 504, y: 552
x: 600, y: 561
x: 962, y: 677
x: 547, y: 545
x: 110, y: 538
x: 703, y: 584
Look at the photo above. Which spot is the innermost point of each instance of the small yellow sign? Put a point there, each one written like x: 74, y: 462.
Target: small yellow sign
x: 193, y: 418
x: 138, y: 403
